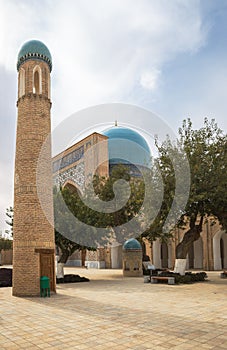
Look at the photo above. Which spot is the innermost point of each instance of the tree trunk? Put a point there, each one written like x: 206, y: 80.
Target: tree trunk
x: 64, y: 256
x: 61, y: 262
x: 190, y: 236
x: 60, y: 270
x: 83, y: 256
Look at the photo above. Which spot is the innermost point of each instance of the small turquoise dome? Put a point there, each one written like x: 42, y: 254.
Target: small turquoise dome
x: 34, y: 49
x: 127, y: 146
x: 132, y: 244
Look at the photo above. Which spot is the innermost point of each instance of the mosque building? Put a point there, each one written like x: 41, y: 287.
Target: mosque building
x: 121, y: 145
x: 72, y: 167
x: 100, y: 152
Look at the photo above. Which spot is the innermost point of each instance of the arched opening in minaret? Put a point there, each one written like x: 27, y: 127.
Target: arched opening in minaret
x: 21, y: 82
x: 37, y: 81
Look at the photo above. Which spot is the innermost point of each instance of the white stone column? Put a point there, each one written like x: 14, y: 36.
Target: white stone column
x: 180, y: 266
x: 116, y: 255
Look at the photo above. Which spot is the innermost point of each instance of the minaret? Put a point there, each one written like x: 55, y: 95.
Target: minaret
x: 33, y: 234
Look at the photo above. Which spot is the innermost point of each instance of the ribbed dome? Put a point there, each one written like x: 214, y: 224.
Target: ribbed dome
x: 127, y: 146
x: 132, y: 244
x: 34, y: 49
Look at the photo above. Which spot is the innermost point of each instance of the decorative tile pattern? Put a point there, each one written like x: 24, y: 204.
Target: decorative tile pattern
x: 75, y: 174
x: 68, y: 159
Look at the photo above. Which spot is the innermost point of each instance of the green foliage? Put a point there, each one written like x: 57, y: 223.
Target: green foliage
x: 132, y: 219
x: 119, y: 217
x: 9, y: 221
x: 5, y: 244
x: 67, y: 203
x: 189, y: 277
x: 206, y: 151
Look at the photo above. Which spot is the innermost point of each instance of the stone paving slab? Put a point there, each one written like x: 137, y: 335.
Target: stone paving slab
x: 121, y: 313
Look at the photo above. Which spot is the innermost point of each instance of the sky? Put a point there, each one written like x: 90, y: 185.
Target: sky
x: 169, y: 57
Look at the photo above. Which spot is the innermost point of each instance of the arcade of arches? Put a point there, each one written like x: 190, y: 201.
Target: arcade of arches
x: 209, y: 252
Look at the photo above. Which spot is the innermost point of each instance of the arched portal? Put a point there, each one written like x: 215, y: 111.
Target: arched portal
x: 157, y: 253
x: 198, y: 254
x: 223, y: 250
x: 191, y: 256
x: 195, y: 255
x: 71, y: 186
x: 164, y: 254
x: 220, y: 250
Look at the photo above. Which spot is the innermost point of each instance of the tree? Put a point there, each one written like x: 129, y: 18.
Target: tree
x: 206, y: 152
x: 67, y: 247
x: 5, y: 243
x: 128, y: 201
x: 9, y: 221
x: 113, y: 208
x: 218, y: 185
x: 64, y: 223
x: 80, y: 219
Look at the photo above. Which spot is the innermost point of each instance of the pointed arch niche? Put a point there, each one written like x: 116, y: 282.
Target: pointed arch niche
x: 71, y: 186
x: 220, y: 250
x: 21, y: 89
x: 37, y: 80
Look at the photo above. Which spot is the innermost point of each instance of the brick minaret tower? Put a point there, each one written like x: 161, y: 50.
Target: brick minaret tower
x: 33, y: 235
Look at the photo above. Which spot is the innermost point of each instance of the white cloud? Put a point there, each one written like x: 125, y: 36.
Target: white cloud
x: 19, y: 22
x: 149, y: 79
x: 101, y: 49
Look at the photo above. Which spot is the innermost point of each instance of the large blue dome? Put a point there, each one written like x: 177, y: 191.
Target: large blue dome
x: 34, y: 49
x: 127, y: 146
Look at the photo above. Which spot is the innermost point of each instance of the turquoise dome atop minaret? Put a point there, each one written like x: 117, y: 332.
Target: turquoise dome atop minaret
x: 34, y: 49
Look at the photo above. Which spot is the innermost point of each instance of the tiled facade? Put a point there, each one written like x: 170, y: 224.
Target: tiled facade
x: 76, y: 164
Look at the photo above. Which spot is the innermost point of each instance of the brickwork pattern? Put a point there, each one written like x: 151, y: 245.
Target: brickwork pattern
x: 31, y: 228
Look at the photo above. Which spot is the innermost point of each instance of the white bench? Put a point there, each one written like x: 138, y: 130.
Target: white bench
x: 155, y: 279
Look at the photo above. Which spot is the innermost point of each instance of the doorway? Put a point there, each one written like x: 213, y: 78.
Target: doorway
x: 47, y: 266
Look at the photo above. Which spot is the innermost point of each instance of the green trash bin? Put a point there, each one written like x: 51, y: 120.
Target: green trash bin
x: 44, y: 286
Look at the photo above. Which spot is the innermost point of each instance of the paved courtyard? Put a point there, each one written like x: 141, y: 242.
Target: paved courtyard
x: 117, y: 313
